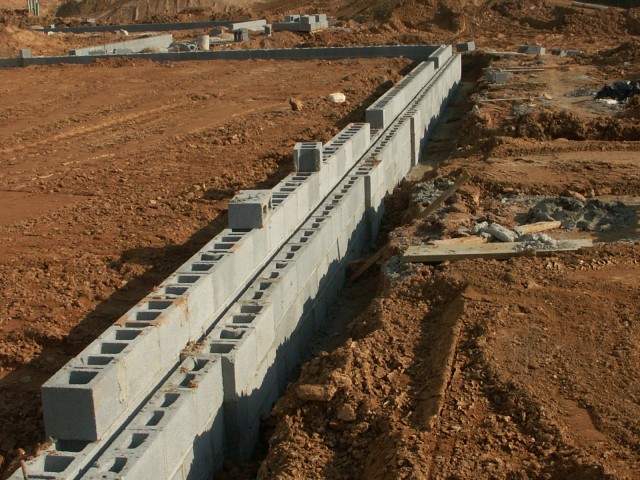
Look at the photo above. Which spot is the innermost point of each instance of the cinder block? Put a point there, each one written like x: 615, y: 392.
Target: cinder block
x: 466, y: 46
x: 531, y: 49
x: 169, y: 427
x: 385, y: 110
x: 137, y: 45
x: 307, y: 156
x: 85, y: 398
x: 496, y: 76
x: 241, y: 35
x: 250, y: 209
x: 441, y: 55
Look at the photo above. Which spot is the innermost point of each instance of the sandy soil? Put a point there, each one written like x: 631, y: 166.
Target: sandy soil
x: 113, y: 174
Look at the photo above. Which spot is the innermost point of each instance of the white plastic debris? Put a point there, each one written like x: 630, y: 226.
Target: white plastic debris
x: 337, y: 98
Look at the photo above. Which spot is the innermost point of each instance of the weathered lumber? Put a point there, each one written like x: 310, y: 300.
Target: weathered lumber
x: 537, y: 227
x: 433, y: 206
x: 384, y: 251
x: 461, y: 240
x: 501, y: 250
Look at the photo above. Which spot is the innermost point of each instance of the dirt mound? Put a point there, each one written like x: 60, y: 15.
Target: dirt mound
x: 626, y: 52
x: 475, y: 370
x: 591, y: 215
x: 550, y: 125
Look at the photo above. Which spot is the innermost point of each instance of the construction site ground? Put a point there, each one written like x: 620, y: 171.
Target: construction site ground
x: 113, y: 174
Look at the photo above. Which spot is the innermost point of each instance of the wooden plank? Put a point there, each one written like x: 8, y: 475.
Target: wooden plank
x: 366, y: 265
x: 433, y: 206
x: 537, y: 227
x: 461, y: 240
x: 497, y: 250
x: 519, y: 99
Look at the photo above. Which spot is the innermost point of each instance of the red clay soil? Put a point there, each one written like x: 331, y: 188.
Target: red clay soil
x: 112, y: 175
x: 526, y: 368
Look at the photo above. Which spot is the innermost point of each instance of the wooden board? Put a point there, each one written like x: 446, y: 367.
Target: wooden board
x: 459, y: 241
x: 497, y: 250
x: 537, y: 227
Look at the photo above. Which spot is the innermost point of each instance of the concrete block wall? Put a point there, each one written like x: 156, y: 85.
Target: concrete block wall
x: 101, y: 386
x: 441, y: 55
x: 385, y: 110
x: 183, y: 420
x: 252, y: 25
x: 130, y: 46
x: 262, y: 336
x: 413, y: 52
x: 302, y: 23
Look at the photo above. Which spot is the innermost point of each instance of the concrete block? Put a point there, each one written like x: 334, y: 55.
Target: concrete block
x: 386, y: 109
x: 239, y: 361
x: 241, y: 35
x: 531, y: 49
x: 307, y: 156
x: 251, y: 25
x: 466, y: 46
x: 250, y: 209
x: 84, y: 399
x: 495, y: 76
x: 183, y: 416
x: 137, y: 45
x: 441, y: 55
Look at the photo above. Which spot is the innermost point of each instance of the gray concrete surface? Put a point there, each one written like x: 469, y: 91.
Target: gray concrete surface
x: 159, y: 42
x: 412, y: 52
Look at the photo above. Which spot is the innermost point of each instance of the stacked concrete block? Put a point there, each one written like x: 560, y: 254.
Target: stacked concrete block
x: 281, y: 298
x: 431, y: 103
x: 386, y: 109
x: 159, y: 42
x: 181, y: 422
x: 256, y: 332
x: 302, y: 23
x: 241, y: 35
x: 250, y: 209
x: 413, y: 52
x: 99, y: 387
x: 441, y: 55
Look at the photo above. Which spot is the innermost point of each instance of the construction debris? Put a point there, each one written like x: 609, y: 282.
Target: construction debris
x: 592, y: 215
x: 620, y: 91
x: 496, y: 251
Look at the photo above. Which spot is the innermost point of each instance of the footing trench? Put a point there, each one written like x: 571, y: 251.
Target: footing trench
x: 179, y: 383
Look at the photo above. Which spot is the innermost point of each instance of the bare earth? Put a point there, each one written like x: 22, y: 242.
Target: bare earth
x: 112, y: 175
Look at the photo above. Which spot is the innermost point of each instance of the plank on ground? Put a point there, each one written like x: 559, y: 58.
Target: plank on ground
x: 498, y: 250
x: 537, y: 227
x: 459, y: 241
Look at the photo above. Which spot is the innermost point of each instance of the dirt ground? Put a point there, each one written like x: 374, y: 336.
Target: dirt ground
x: 113, y: 174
